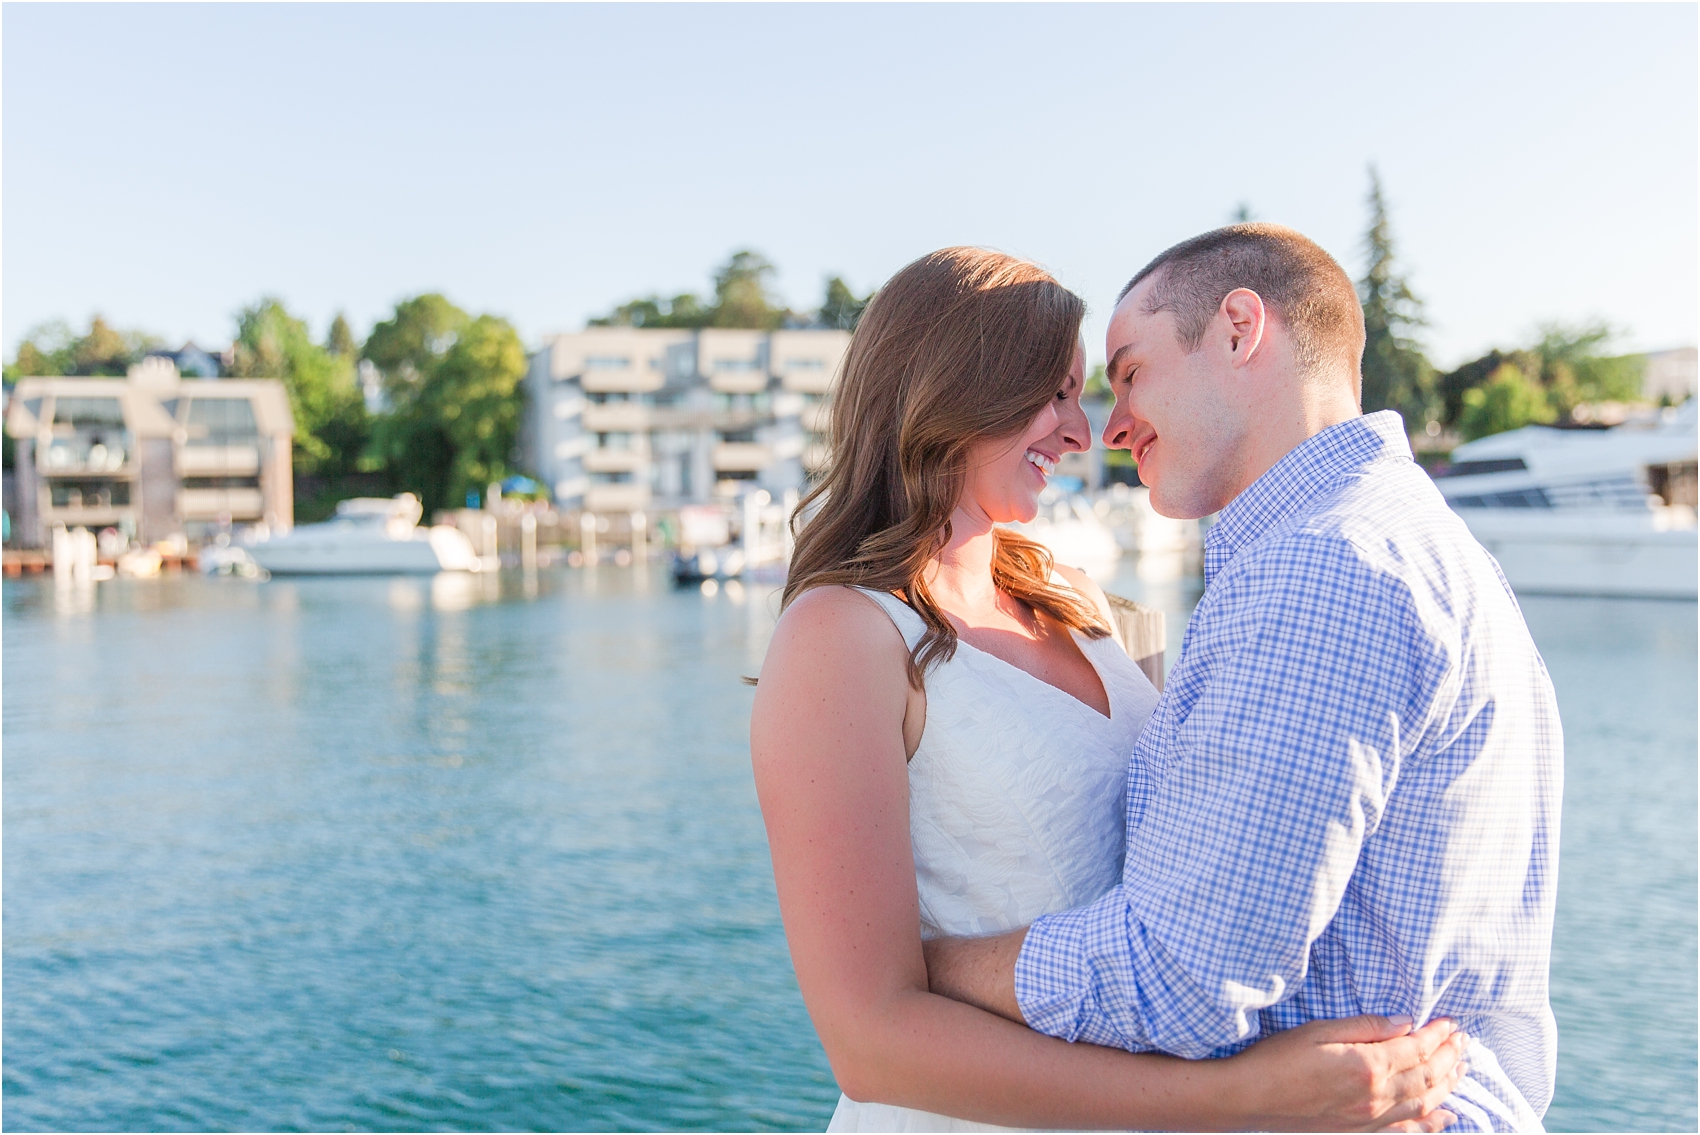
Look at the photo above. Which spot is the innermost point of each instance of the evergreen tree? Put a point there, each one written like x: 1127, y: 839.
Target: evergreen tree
x: 1396, y: 375
x: 341, y: 340
x: 841, y: 307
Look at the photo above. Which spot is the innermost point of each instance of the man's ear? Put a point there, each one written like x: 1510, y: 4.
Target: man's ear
x: 1247, y: 320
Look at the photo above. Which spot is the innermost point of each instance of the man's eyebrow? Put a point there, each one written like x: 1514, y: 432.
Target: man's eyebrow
x: 1115, y: 359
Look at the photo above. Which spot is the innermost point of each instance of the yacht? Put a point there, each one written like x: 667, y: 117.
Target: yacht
x: 369, y: 536
x: 1585, y: 511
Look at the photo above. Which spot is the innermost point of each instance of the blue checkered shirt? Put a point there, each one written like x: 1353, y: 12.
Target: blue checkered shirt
x: 1347, y: 800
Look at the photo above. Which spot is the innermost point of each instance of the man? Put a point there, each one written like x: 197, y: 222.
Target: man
x: 1347, y: 800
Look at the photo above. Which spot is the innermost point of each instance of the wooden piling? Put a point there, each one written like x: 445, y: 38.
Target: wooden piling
x: 1143, y: 633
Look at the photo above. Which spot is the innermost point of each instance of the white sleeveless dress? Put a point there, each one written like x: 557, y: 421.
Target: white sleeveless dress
x: 1017, y: 804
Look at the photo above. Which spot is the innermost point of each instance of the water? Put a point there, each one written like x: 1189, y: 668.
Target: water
x: 484, y: 854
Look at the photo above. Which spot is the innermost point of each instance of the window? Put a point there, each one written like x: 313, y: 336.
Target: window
x: 88, y: 434
x: 738, y: 436
x: 90, y: 494
x: 89, y: 413
x: 805, y: 364
x: 622, y: 477
x: 221, y: 482
x: 618, y: 440
x: 221, y: 421
x: 1477, y: 468
x: 607, y: 362
x: 737, y: 364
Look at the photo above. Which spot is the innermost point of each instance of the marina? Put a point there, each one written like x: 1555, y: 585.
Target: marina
x: 406, y: 873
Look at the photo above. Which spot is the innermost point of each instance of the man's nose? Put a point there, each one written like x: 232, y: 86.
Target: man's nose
x: 1118, y: 431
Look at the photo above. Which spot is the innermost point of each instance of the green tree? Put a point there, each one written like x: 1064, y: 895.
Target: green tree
x: 741, y: 297
x: 1509, y: 400
x: 331, y: 427
x: 455, y: 388
x: 340, y: 339
x: 410, y: 441
x: 841, y: 308
x: 1575, y: 368
x: 52, y: 348
x: 685, y: 310
x: 477, y: 397
x: 45, y: 350
x: 408, y: 346
x: 1396, y: 375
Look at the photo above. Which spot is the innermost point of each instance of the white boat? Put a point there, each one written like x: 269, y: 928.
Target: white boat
x: 1584, y: 511
x: 369, y: 536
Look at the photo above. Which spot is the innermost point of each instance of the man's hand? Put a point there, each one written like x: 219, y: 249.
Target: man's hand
x: 977, y: 971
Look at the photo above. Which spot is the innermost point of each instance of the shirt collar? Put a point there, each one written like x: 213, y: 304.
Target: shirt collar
x: 1298, y: 478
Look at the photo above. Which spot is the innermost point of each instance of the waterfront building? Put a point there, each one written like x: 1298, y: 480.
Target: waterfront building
x: 1670, y: 375
x: 153, y: 454
x: 624, y: 419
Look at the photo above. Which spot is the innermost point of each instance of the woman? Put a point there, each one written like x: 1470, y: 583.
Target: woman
x: 941, y: 735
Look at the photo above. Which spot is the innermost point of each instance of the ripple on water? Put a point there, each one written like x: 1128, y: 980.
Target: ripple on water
x: 343, y: 855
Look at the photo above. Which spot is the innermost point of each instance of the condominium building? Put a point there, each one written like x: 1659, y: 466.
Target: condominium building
x: 152, y: 455
x: 623, y: 418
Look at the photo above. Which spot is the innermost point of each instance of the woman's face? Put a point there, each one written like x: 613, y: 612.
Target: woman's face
x: 1005, y: 477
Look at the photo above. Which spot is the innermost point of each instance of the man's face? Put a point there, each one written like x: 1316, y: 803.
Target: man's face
x: 1171, y: 410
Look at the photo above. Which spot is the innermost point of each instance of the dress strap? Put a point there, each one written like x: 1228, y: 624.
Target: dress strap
x: 908, y: 623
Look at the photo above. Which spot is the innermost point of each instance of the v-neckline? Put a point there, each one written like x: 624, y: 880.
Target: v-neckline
x: 1107, y: 718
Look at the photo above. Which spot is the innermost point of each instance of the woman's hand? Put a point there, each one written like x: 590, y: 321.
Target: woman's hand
x: 1357, y: 1074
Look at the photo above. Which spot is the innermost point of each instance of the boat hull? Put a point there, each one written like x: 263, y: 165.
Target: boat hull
x: 1600, y: 554
x: 332, y: 550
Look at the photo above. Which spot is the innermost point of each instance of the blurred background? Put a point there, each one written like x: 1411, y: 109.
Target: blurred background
x: 404, y: 407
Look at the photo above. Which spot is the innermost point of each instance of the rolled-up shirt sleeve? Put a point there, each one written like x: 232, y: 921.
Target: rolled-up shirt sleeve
x: 1247, y: 818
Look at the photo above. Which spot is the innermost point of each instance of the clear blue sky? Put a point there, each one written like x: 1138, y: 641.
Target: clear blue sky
x: 164, y: 165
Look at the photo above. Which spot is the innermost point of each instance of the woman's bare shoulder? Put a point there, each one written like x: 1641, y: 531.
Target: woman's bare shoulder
x: 839, y: 619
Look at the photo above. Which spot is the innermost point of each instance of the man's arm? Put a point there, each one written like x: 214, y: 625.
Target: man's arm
x: 977, y: 971
x: 1247, y: 818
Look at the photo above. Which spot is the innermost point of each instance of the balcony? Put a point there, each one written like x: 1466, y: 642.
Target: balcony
x: 630, y: 380
x: 616, y: 460
x: 616, y: 417
x: 62, y: 458
x: 211, y: 504
x: 811, y: 381
x: 218, y: 460
x: 816, y: 418
x: 741, y: 457
x: 616, y: 498
x: 724, y: 380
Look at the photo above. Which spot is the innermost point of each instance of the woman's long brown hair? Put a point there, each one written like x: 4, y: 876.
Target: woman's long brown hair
x: 962, y: 346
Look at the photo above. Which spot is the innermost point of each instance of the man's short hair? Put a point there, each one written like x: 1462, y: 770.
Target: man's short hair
x: 1305, y: 287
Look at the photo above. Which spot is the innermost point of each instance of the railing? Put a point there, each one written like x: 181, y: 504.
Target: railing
x: 210, y: 504
x: 215, y: 460
x: 741, y: 457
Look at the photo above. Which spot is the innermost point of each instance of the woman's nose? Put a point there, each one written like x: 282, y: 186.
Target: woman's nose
x: 1074, y: 428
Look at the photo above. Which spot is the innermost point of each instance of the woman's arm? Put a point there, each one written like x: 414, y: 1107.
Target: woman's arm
x: 827, y: 740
